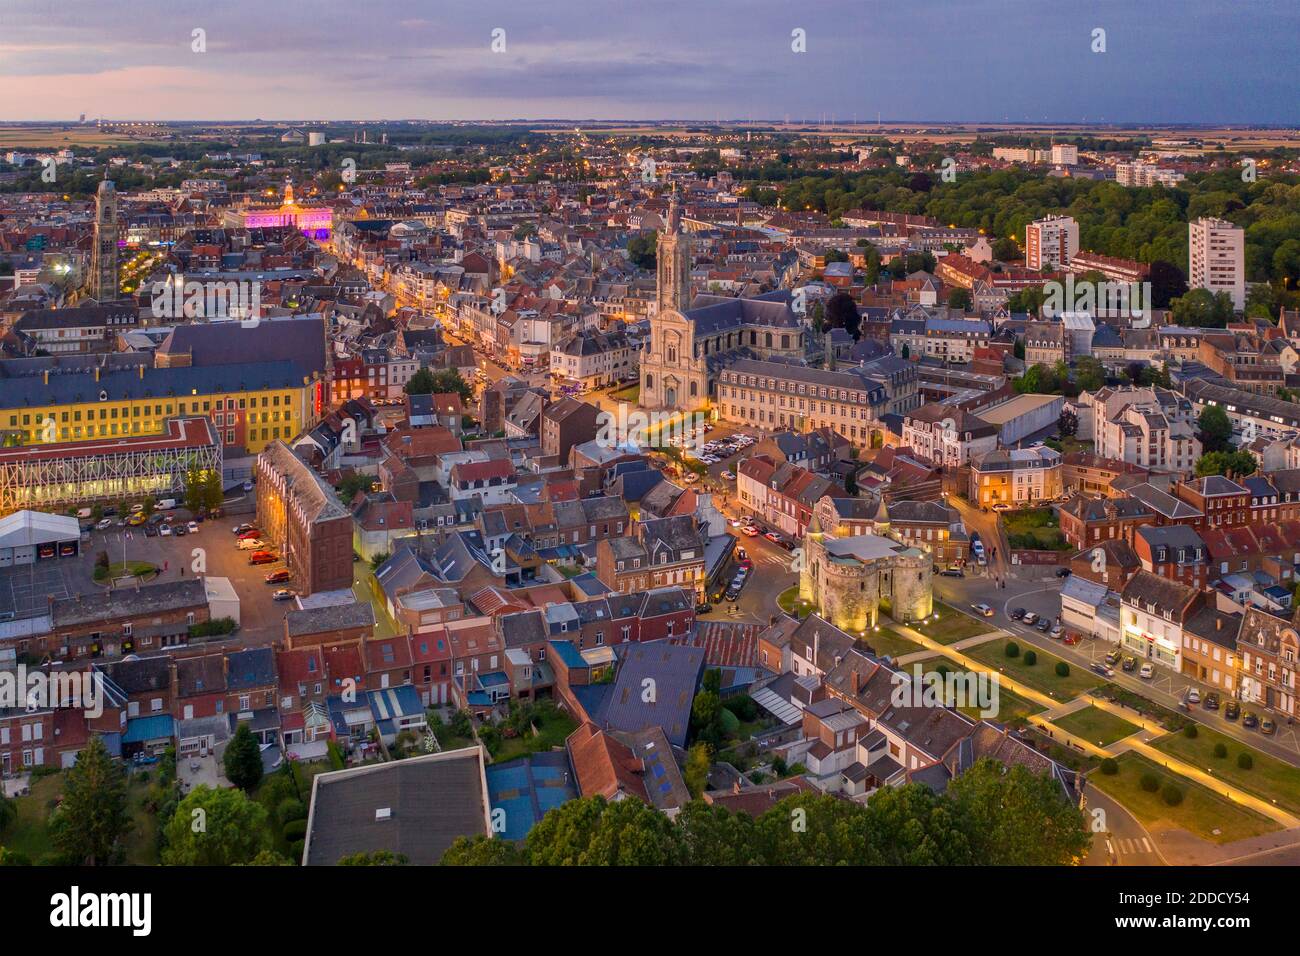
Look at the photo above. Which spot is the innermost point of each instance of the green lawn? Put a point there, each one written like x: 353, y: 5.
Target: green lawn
x: 1201, y: 812
x: 1035, y: 529
x: 629, y: 394
x: 889, y: 643
x: 1011, y: 706
x: 553, y: 726
x: 29, y: 833
x: 1041, y: 676
x: 1096, y: 726
x: 1269, y: 778
x: 788, y: 601
x: 953, y: 625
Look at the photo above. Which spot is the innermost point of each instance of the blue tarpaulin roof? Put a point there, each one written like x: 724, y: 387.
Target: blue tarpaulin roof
x: 140, y: 729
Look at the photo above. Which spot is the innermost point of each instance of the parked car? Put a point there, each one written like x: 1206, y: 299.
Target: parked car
x: 1017, y: 613
x: 1057, y: 630
x: 982, y: 609
x: 250, y: 535
x: 278, y: 577
x: 248, y: 486
x: 283, y: 594
x: 1112, y: 658
x: 1103, y: 669
x: 952, y: 573
x: 772, y: 536
x: 1267, y: 726
x: 1001, y: 506
x: 1029, y: 618
x: 703, y: 607
x: 729, y: 475
x: 165, y: 530
x: 263, y: 557
x: 1129, y: 663
x: 1193, y: 696
x: 749, y: 531
x: 1044, y: 624
x: 1062, y: 572
x: 1250, y: 719
x: 1231, y: 709
x: 136, y: 520
x: 1211, y: 701
x: 251, y: 544
x: 1147, y: 672
x: 192, y: 527
x: 104, y: 524
x: 180, y: 531
x: 242, y: 528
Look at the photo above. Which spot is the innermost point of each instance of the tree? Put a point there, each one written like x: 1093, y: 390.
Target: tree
x: 421, y: 383
x: 347, y: 488
x: 195, y: 490
x: 1215, y: 429
x: 592, y: 832
x: 1237, y: 463
x: 1089, y: 374
x: 642, y: 250
x: 1067, y: 423
x: 481, y: 851
x: 1007, y: 249
x: 698, y: 760
x: 1201, y: 309
x: 961, y: 299
x: 1167, y: 283
x: 842, y: 313
x: 376, y: 858
x: 216, y: 828
x: 706, y: 717
x: 93, y: 817
x: 243, y: 759
x: 1017, y: 817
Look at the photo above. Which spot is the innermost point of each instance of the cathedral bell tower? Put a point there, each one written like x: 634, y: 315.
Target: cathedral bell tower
x: 673, y: 256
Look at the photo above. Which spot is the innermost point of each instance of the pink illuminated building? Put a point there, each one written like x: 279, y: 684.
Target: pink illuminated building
x: 314, y: 221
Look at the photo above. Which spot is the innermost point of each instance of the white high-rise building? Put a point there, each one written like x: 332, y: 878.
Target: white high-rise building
x: 1064, y: 154
x: 1051, y: 242
x: 1216, y: 257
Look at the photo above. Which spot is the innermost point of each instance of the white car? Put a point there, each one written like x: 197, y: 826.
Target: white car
x: 104, y: 524
x: 165, y: 530
x: 729, y: 475
x: 1001, y: 506
x: 1147, y: 672
x: 192, y: 527
x: 982, y: 609
x: 737, y: 522
x: 1193, y: 696
x: 691, y: 478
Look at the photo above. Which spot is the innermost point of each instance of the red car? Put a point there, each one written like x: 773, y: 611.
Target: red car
x: 263, y: 557
x: 249, y: 535
x: 278, y: 577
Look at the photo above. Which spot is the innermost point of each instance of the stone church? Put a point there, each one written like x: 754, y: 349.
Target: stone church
x: 689, y: 346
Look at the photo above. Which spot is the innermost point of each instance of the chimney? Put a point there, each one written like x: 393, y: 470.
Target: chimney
x: 142, y: 373
x: 857, y: 682
x: 830, y: 353
x: 96, y: 373
x: 46, y: 375
x: 1218, y: 623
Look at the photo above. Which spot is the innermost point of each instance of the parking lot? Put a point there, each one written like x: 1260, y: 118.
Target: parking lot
x: 26, y: 590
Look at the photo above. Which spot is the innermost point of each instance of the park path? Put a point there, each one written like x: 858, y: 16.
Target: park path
x: 1133, y: 742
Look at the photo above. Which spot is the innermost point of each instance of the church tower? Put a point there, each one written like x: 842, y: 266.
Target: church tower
x: 673, y: 254
x: 103, y: 255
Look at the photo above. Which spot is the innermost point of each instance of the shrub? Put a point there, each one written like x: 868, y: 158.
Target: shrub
x: 1150, y: 782
x: 1190, y: 731
x: 1172, y: 794
x: 1030, y: 658
x: 1245, y: 761
x: 295, y: 850
x: 295, y: 830
x: 290, y: 810
x: 1220, y: 751
x: 1013, y: 649
x: 1110, y: 766
x: 1062, y: 669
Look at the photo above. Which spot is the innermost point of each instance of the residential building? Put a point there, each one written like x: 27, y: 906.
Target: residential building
x: 1216, y: 257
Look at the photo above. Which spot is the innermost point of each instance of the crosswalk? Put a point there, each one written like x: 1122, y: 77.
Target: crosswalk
x: 1119, y: 846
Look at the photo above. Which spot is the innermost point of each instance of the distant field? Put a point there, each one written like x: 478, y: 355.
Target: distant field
x: 44, y: 137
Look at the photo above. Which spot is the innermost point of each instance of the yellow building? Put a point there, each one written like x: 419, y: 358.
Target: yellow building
x: 249, y: 405
x: 1015, y: 477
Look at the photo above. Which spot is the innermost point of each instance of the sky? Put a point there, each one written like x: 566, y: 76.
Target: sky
x: 1164, y: 61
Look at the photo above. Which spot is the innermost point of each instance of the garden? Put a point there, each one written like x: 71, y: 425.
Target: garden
x: 1236, y: 763
x: 1036, y: 529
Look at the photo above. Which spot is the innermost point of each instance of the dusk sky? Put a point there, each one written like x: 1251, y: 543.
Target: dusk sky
x: 1177, y: 61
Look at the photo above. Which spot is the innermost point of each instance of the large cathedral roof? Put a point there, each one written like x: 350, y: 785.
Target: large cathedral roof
x: 717, y: 313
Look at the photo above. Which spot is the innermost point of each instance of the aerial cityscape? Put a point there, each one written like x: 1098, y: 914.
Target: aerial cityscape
x: 618, y: 462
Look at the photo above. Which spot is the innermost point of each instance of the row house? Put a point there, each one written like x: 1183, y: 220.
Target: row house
x: 660, y: 552
x: 782, y: 495
x: 947, y: 435
x: 121, y: 621
x: 1153, y: 611
x: 932, y: 526
x: 1087, y: 521
x: 1173, y: 551
x: 1222, y: 501
x: 1268, y: 647
x: 1090, y: 474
